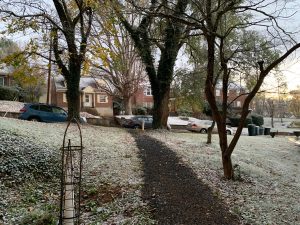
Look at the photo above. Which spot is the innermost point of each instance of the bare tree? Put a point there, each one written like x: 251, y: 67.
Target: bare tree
x: 294, y: 104
x: 114, y: 54
x: 218, y: 20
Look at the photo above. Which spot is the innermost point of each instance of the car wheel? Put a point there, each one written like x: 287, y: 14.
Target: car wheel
x: 34, y: 119
x: 203, y: 131
x: 228, y: 132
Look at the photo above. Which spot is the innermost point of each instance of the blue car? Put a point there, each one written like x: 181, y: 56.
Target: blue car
x: 43, y: 113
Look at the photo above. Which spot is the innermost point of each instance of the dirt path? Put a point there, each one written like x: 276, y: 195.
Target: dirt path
x: 175, y: 194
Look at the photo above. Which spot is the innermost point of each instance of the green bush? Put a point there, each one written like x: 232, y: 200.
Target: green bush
x: 236, y: 120
x: 258, y: 120
x: 140, y: 111
x: 8, y: 93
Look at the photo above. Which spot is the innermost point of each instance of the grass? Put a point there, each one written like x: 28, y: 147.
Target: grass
x: 112, y: 172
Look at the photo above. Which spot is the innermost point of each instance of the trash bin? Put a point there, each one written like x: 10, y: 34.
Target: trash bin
x: 251, y: 129
x: 261, y: 130
x: 267, y: 131
x: 256, y: 130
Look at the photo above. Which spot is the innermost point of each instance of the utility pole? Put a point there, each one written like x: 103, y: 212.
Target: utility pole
x: 49, y: 69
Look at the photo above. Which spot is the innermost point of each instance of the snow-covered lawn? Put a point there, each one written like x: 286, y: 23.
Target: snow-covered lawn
x: 269, y: 189
x: 111, y: 167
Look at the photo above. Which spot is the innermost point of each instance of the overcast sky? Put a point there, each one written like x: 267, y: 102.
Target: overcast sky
x: 290, y: 68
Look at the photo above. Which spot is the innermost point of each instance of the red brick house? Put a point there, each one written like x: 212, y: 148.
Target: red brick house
x: 236, y: 94
x: 143, y: 97
x: 91, y: 95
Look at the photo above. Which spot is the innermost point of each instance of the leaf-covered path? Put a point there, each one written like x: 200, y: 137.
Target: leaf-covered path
x: 175, y: 194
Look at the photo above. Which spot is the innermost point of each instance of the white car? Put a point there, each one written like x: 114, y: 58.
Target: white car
x: 203, y: 126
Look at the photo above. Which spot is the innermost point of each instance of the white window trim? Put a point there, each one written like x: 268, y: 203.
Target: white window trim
x: 99, y: 98
x: 148, y: 91
x: 148, y: 104
x: 238, y: 103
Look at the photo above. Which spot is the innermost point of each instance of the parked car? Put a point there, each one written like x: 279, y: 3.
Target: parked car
x: 202, y: 127
x: 136, y: 122
x: 43, y: 113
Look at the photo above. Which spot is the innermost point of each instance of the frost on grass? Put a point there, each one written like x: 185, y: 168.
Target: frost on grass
x: 110, y: 160
x: 269, y: 189
x: 22, y: 159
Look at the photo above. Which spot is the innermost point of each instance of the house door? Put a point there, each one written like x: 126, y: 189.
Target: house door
x: 88, y: 98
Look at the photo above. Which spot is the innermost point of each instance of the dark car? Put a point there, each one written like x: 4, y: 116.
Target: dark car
x: 136, y: 122
x: 43, y: 113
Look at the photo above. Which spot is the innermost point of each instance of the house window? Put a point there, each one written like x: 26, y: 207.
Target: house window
x: 218, y: 93
x: 87, y: 98
x: 102, y: 98
x: 148, y: 91
x: 1, y: 81
x: 65, y: 97
x: 238, y: 103
x: 148, y: 104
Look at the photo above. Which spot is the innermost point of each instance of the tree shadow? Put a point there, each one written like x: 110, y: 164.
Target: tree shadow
x: 174, y: 193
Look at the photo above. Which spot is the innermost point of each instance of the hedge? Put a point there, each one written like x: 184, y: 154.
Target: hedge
x: 8, y: 93
x: 236, y: 120
x: 258, y: 120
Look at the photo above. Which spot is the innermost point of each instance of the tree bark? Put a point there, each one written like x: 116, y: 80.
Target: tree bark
x: 227, y: 166
x: 128, y: 106
x: 161, y: 110
x: 209, y: 132
x: 73, y: 93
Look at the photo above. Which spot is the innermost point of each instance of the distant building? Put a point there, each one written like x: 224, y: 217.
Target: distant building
x: 236, y: 94
x: 5, y: 77
x: 143, y: 97
x: 92, y: 96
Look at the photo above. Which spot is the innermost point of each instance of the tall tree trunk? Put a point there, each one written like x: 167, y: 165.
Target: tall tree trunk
x: 272, y: 120
x: 128, y: 106
x: 209, y: 132
x: 227, y: 166
x: 161, y: 110
x: 73, y: 93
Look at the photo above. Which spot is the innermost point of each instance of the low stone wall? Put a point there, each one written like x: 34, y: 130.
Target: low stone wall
x: 9, y: 114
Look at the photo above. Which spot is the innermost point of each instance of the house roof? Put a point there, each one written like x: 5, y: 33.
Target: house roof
x: 5, y: 70
x: 85, y: 81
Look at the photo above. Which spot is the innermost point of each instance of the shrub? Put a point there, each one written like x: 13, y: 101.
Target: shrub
x: 257, y: 119
x: 8, y: 93
x: 236, y: 120
x: 140, y: 111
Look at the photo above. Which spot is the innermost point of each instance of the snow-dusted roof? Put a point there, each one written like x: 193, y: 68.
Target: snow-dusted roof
x: 4, y: 70
x: 85, y: 81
